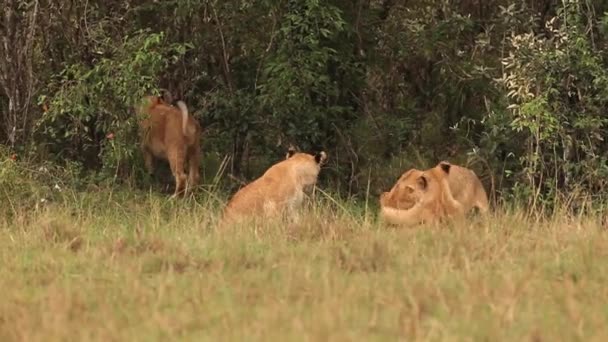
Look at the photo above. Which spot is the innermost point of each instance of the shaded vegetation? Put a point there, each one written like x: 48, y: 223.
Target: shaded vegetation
x: 516, y: 90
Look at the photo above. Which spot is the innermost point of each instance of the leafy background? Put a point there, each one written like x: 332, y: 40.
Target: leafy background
x: 515, y: 90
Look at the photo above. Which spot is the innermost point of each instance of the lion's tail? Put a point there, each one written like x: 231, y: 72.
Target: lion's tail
x: 184, y: 110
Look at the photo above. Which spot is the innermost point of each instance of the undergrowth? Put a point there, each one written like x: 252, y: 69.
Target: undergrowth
x: 112, y: 263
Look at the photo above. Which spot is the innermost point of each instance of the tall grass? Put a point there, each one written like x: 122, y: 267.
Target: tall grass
x: 121, y: 265
x: 136, y: 266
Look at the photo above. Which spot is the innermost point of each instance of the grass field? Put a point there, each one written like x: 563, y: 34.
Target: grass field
x: 121, y: 267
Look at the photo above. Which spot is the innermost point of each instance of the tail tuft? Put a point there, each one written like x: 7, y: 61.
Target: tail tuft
x: 184, y: 110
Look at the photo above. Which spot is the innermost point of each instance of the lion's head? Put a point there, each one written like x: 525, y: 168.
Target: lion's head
x: 307, y: 166
x: 424, y: 196
x: 403, y: 194
x: 413, y: 185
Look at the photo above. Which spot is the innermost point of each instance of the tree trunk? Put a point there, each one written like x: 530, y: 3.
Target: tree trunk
x: 18, y: 31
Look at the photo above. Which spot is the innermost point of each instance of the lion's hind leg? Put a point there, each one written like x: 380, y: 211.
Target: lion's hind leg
x: 193, y: 167
x: 176, y: 158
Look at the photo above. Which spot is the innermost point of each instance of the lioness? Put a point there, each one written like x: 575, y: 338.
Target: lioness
x: 171, y: 134
x: 422, y: 196
x: 401, y: 194
x: 464, y: 185
x: 279, y: 190
x: 467, y: 188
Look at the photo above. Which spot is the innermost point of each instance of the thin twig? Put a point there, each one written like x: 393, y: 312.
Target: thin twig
x: 265, y: 53
x: 225, y: 55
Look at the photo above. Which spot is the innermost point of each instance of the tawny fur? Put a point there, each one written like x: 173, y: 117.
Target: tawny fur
x: 430, y: 192
x: 400, y: 195
x: 171, y: 134
x: 464, y: 185
x: 467, y: 188
x: 279, y: 191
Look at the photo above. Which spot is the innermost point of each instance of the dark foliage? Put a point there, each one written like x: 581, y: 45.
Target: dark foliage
x: 516, y: 90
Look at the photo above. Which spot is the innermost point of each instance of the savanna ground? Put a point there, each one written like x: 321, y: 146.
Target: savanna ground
x: 124, y: 266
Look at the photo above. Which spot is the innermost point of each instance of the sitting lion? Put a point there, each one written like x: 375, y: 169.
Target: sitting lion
x: 280, y: 190
x: 427, y: 196
x: 170, y: 133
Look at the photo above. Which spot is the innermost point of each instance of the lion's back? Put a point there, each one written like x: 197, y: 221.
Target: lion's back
x: 466, y: 187
x: 163, y: 126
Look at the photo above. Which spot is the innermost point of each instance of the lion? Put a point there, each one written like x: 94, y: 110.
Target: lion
x: 467, y: 188
x: 464, y: 185
x: 279, y: 191
x: 445, y: 191
x: 171, y: 134
x: 400, y: 195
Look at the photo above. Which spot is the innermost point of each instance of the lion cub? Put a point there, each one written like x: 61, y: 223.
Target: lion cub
x: 401, y: 194
x: 427, y: 196
x: 279, y: 190
x: 171, y: 134
x: 463, y: 183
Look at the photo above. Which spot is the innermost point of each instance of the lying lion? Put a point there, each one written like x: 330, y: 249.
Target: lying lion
x: 171, y: 134
x: 428, y: 196
x: 279, y: 191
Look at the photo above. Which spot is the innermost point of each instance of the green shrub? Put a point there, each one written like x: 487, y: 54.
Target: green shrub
x: 91, y: 118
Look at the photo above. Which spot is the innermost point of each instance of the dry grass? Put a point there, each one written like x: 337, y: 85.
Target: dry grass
x: 105, y: 268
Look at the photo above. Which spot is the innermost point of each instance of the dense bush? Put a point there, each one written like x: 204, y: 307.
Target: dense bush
x: 89, y: 115
x: 515, y: 90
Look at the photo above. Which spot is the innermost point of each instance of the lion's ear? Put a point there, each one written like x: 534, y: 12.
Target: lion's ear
x: 406, y: 174
x: 290, y: 152
x: 153, y: 100
x: 167, y: 97
x: 321, y: 157
x: 422, y: 182
x: 445, y: 166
